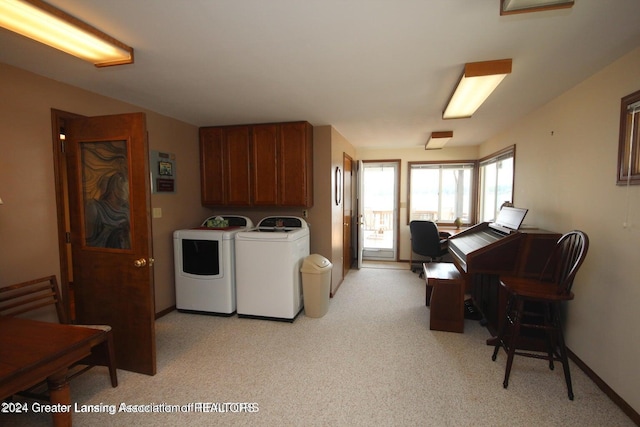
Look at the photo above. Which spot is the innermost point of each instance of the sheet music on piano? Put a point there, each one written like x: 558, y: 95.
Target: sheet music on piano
x: 509, y: 219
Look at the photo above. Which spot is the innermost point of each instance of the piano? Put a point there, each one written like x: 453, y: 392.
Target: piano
x: 487, y: 250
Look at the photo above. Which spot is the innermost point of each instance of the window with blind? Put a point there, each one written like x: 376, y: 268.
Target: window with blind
x: 496, y: 183
x: 441, y: 192
x: 628, y: 150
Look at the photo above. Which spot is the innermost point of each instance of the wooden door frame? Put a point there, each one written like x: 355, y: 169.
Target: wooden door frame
x: 58, y: 118
x: 346, y: 251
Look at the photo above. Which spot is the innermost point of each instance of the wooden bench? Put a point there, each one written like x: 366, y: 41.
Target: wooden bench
x: 445, y: 296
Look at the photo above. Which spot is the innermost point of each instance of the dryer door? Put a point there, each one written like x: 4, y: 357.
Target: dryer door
x: 199, y: 256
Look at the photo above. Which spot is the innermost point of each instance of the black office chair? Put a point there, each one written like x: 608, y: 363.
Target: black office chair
x: 428, y: 242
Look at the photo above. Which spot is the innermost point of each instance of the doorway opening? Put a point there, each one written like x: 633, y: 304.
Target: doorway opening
x: 380, y: 200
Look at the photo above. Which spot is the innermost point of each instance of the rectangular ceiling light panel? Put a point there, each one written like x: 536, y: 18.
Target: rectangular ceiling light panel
x: 44, y: 23
x: 478, y: 81
x: 521, y: 6
x: 438, y: 140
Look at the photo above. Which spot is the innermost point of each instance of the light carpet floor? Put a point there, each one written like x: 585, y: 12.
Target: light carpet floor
x: 386, y: 264
x: 371, y: 361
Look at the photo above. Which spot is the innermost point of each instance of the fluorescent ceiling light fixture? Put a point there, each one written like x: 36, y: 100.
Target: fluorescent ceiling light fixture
x: 478, y: 80
x: 508, y: 7
x: 44, y: 23
x: 437, y: 140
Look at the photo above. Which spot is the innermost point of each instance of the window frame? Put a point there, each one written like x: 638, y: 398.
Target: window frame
x: 490, y: 159
x: 474, y: 186
x: 629, y: 145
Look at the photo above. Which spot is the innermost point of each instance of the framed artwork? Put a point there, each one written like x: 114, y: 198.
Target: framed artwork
x: 163, y: 172
x: 165, y: 168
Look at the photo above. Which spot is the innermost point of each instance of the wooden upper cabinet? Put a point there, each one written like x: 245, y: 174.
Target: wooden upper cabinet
x: 296, y: 165
x: 225, y: 156
x: 212, y: 177
x: 265, y: 140
x: 238, y: 165
x: 257, y: 165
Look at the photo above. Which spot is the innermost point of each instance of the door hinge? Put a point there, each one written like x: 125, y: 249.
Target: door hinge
x: 62, y: 146
x: 67, y: 237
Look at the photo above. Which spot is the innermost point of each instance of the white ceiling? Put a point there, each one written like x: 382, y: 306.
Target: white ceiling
x: 379, y: 71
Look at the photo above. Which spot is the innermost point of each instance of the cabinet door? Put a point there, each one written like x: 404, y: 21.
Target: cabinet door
x: 296, y: 165
x: 265, y: 164
x: 237, y: 160
x: 212, y: 182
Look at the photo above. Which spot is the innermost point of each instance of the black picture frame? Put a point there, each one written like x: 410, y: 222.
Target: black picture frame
x: 338, y: 186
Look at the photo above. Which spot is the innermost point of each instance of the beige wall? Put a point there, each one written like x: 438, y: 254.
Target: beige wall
x: 566, y: 162
x: 339, y: 146
x: 412, y: 155
x: 28, y: 225
x: 320, y: 216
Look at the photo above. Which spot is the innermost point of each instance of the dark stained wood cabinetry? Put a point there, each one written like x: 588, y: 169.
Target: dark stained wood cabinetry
x: 296, y: 164
x: 265, y: 164
x: 257, y: 165
x: 211, y: 171
x: 224, y: 166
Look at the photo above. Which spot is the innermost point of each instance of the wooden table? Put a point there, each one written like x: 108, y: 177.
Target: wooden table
x: 33, y: 351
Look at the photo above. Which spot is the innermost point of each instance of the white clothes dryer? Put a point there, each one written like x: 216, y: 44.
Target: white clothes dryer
x: 204, y: 261
x: 268, y: 261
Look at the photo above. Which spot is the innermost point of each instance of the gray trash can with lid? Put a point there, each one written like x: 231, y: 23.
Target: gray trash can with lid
x: 316, y: 285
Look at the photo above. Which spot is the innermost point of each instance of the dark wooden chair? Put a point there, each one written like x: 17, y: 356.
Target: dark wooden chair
x: 533, y: 324
x: 33, y: 295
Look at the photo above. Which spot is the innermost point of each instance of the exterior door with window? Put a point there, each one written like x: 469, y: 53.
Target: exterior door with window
x: 380, y: 210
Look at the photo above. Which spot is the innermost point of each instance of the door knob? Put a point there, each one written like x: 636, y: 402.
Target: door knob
x: 140, y: 262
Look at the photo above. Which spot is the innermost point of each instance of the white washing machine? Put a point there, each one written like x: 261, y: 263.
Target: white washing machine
x: 268, y: 261
x: 204, y: 259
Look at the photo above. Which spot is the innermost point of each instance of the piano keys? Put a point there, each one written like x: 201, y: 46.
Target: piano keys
x: 482, y: 249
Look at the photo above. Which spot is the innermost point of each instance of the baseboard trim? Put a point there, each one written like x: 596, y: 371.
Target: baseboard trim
x: 615, y: 398
x: 165, y: 312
